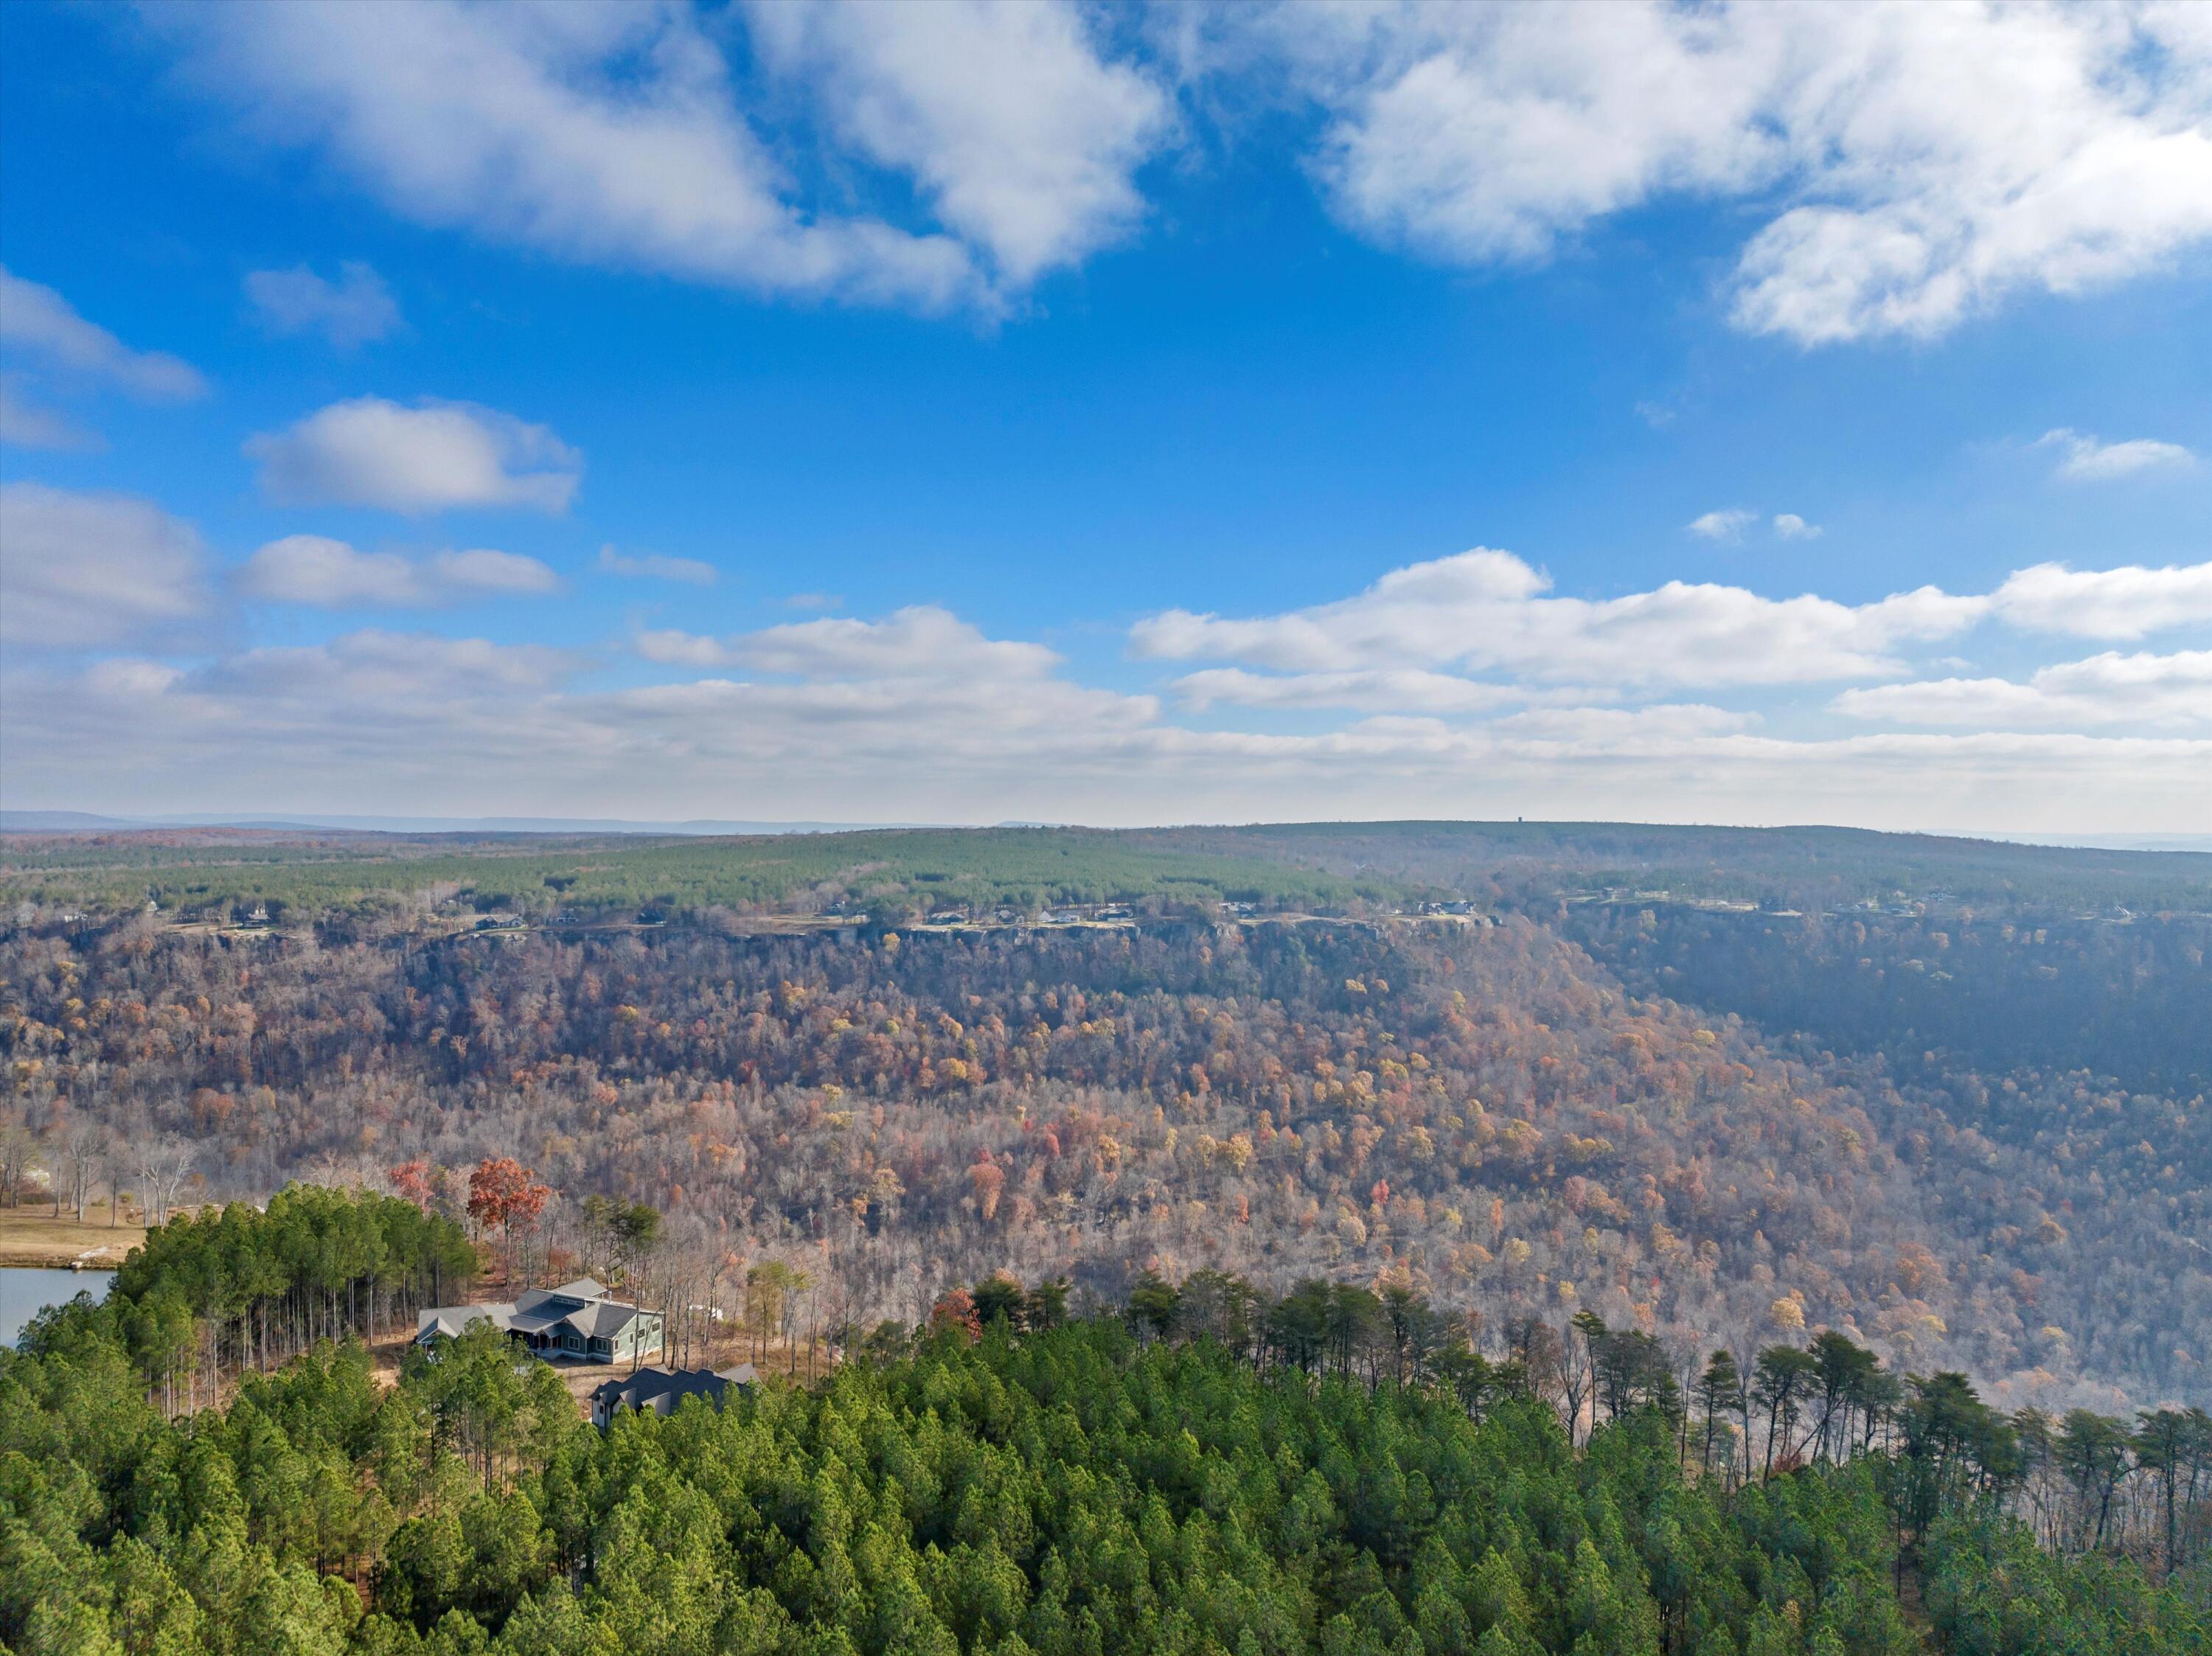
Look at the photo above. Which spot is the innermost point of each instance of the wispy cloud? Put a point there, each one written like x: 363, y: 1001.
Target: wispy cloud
x: 1724, y: 524
x: 94, y: 571
x: 1454, y: 687
x: 1373, y: 689
x: 467, y: 724
x: 39, y: 320
x: 921, y: 641
x: 355, y: 309
x: 654, y: 566
x: 28, y: 424
x: 313, y: 569
x: 2084, y: 458
x: 2142, y: 690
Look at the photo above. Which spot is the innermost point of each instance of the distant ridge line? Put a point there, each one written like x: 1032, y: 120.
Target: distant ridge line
x: 78, y: 822
x: 71, y: 821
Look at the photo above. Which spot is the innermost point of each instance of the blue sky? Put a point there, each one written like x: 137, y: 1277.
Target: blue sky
x: 961, y: 413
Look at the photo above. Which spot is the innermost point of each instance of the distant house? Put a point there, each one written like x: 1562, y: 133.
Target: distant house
x: 578, y: 1321
x: 659, y: 1390
x: 949, y: 917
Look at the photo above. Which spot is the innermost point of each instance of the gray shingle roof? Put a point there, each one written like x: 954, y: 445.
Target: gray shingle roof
x: 452, y: 1320
x: 661, y: 1389
x: 601, y: 1318
x: 582, y: 1305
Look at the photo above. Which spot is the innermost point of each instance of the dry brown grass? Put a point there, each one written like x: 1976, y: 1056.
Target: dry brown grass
x: 33, y: 1237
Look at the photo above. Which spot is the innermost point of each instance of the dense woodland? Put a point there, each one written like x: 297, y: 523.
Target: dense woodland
x: 1206, y: 1469
x: 1327, y: 867
x: 894, y: 874
x: 1944, y: 995
x: 1487, y: 1108
x: 1893, y: 1201
x: 1810, y: 869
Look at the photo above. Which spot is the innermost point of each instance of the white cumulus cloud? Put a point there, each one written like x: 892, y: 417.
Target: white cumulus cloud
x: 1485, y: 610
x: 920, y: 642
x: 470, y: 727
x: 81, y: 571
x: 2108, y: 690
x: 617, y: 133
x: 2127, y: 603
x: 39, y: 320
x: 429, y: 458
x: 372, y: 667
x: 314, y: 569
x: 1791, y: 527
x: 1023, y: 136
x: 1918, y: 164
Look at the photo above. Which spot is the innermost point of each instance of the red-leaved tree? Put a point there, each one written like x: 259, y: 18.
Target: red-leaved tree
x: 410, y: 1182
x: 505, y: 1197
x: 956, y: 1309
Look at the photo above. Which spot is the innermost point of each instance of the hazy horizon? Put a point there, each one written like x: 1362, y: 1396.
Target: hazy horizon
x: 35, y: 821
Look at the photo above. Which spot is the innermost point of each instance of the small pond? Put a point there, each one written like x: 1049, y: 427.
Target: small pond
x: 26, y: 1292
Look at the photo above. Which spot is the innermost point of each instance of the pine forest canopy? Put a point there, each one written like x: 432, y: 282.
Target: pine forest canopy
x: 1202, y: 1469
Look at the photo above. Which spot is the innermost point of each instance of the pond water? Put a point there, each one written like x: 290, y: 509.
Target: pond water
x: 25, y: 1293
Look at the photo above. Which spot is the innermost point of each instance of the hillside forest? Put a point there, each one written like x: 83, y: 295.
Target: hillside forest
x: 1940, y: 1106
x: 1204, y: 1468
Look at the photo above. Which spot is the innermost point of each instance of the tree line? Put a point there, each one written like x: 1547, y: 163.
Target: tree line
x: 1203, y: 1468
x: 238, y: 1288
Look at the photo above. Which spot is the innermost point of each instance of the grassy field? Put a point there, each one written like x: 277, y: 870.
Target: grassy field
x: 33, y: 1237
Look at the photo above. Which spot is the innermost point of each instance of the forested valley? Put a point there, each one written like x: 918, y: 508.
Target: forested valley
x: 1824, y: 1269
x: 1486, y: 1109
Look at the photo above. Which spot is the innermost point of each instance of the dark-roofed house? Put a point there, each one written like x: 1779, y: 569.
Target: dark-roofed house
x: 659, y: 1390
x: 578, y: 1321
